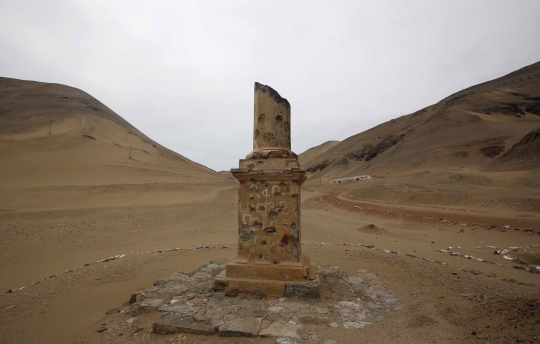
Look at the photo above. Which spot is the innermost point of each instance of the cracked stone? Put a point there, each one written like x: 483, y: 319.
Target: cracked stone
x: 182, y: 309
x: 355, y: 324
x: 175, y: 323
x: 248, y: 327
x: 285, y: 341
x: 278, y: 329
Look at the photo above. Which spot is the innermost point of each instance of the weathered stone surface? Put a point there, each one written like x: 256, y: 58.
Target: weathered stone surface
x: 278, y: 329
x: 153, y: 302
x: 241, y: 327
x: 139, y: 308
x: 314, y: 319
x: 113, y: 311
x: 355, y: 324
x: 285, y: 341
x: 220, y: 282
x: 328, y: 341
x: 243, y: 316
x: 351, y: 311
x: 308, y: 291
x: 181, y: 309
x: 174, y: 323
x: 289, y: 290
x: 282, y: 315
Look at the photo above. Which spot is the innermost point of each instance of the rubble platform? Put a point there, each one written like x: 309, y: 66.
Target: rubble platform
x: 187, y: 304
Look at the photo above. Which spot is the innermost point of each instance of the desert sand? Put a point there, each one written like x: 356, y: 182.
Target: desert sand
x: 428, y: 231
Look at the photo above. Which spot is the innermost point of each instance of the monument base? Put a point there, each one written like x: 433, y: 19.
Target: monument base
x: 300, y: 280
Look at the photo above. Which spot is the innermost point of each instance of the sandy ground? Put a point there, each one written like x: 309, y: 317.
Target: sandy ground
x: 46, y: 231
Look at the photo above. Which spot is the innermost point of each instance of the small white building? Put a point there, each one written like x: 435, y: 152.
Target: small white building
x: 350, y: 179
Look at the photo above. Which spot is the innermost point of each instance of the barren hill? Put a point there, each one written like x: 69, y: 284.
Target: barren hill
x: 437, y: 153
x: 89, y: 144
x: 313, y: 152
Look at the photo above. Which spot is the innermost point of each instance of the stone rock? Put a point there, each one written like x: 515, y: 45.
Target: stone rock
x: 132, y: 298
x: 196, y: 302
x: 355, y: 324
x: 220, y: 283
x: 275, y: 309
x: 174, y: 323
x: 139, y: 308
x: 314, y: 320
x: 241, y: 327
x: 372, y: 305
x: 351, y: 312
x: 284, y: 315
x: 113, y: 311
x: 285, y: 341
x: 339, y: 288
x: 311, y: 337
x: 181, y: 309
x: 357, y: 283
x: 278, y: 329
x: 153, y: 302
x: 475, y: 272
x: 289, y: 290
x: 356, y: 279
x: 328, y: 341
x: 309, y: 291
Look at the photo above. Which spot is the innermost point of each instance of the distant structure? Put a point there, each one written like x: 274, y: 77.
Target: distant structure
x: 270, y: 260
x: 350, y: 179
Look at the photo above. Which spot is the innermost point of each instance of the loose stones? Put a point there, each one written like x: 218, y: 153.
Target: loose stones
x: 194, y: 308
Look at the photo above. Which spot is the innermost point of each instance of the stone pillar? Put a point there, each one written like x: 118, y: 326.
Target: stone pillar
x: 270, y: 260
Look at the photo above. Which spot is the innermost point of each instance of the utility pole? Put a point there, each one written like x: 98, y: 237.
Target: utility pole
x: 50, y: 127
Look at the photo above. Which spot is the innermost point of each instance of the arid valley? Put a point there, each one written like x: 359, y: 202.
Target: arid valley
x: 449, y: 222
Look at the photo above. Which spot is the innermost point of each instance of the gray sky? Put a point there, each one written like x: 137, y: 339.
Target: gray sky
x: 183, y: 72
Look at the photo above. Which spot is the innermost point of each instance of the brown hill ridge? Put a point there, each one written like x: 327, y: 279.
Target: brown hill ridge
x: 447, y: 153
x: 468, y: 129
x: 523, y: 155
x: 89, y: 143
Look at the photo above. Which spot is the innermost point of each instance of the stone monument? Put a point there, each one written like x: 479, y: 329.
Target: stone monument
x: 270, y: 260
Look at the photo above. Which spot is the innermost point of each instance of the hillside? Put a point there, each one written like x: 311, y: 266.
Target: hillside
x: 447, y: 151
x: 89, y: 144
x: 313, y: 152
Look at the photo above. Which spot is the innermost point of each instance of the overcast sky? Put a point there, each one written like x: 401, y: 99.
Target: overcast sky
x: 183, y: 72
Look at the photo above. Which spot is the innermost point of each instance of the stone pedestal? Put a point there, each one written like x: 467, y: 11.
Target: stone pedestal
x: 270, y: 260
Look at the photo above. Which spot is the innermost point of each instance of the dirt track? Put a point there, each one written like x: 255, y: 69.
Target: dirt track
x: 430, y: 215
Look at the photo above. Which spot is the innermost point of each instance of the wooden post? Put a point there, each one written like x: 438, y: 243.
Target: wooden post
x: 130, y: 152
